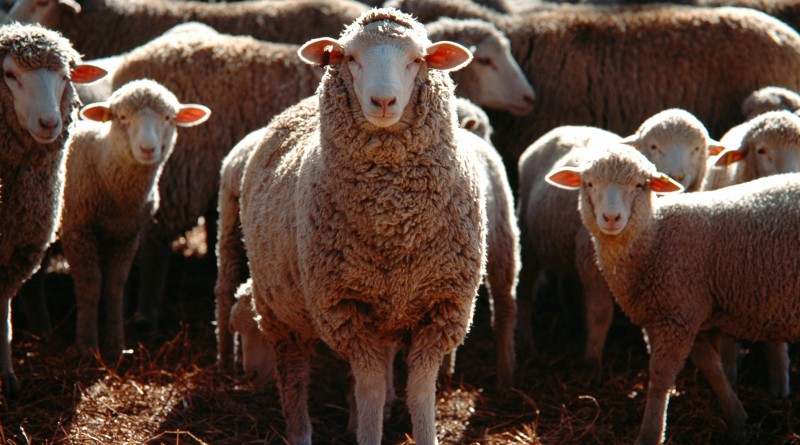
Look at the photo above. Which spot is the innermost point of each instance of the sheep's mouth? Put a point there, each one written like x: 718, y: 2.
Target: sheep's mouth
x: 45, y: 137
x: 612, y: 228
x: 520, y: 110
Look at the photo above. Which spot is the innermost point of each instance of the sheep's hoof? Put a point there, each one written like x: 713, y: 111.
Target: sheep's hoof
x: 10, y: 386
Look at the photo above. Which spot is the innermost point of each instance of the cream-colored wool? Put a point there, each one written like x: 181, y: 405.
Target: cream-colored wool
x: 381, y: 236
x: 245, y: 82
x: 770, y: 99
x: 682, y: 290
x: 111, y: 27
x: 31, y: 174
x: 111, y: 193
x: 472, y: 117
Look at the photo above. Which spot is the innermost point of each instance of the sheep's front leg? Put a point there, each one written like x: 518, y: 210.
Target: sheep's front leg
x: 84, y: 262
x: 670, y: 346
x: 370, y: 375
x: 706, y: 357
x: 778, y: 361
x: 449, y: 322
x: 10, y: 385
x: 116, y: 274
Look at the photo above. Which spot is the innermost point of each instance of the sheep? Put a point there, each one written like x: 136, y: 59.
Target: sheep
x: 430, y: 10
x: 116, y: 155
x: 105, y: 28
x: 681, y: 266
x: 258, y: 358
x: 770, y: 99
x: 767, y: 144
x: 674, y: 139
x: 493, y: 80
x: 382, y: 227
x: 38, y: 101
x: 617, y: 78
x: 503, y: 260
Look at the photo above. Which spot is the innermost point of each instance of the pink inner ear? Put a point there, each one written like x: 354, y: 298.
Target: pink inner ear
x: 664, y: 185
x: 729, y: 157
x: 87, y: 73
x: 565, y: 178
x: 188, y: 115
x: 96, y: 113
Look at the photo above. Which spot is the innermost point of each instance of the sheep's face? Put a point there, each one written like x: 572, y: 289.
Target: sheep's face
x: 499, y: 82
x: 384, y: 59
x: 770, y: 146
x: 611, y: 185
x: 37, y: 98
x: 383, y: 79
x: 47, y: 13
x: 143, y: 117
x: 678, y: 144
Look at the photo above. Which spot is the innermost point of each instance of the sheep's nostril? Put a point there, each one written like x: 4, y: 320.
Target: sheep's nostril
x: 529, y: 99
x: 383, y: 102
x: 48, y: 124
x: 610, y: 218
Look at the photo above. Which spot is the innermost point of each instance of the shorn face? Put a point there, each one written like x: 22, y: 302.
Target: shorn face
x: 37, y: 95
x: 384, y: 62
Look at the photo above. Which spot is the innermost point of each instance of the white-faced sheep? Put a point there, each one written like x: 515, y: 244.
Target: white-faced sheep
x: 681, y: 266
x: 116, y: 155
x: 673, y: 139
x: 502, y: 266
x: 494, y: 79
x: 382, y: 230
x: 766, y: 145
x: 102, y: 28
x: 38, y: 101
x: 472, y: 117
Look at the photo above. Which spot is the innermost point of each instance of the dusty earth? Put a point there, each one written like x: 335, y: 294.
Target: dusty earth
x: 166, y: 389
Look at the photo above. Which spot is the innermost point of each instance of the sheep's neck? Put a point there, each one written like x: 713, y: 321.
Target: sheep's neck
x: 127, y: 181
x: 622, y: 259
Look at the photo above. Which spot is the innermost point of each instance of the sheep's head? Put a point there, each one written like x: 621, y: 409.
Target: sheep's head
x: 613, y: 186
x: 38, y: 66
x: 258, y: 357
x: 145, y: 113
x: 493, y: 79
x: 770, y: 99
x: 678, y: 144
x: 770, y: 145
x: 384, y: 51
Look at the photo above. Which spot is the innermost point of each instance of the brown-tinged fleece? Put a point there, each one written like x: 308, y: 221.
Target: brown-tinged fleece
x: 380, y: 236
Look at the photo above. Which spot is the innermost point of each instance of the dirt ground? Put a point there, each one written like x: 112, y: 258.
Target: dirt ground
x: 166, y: 389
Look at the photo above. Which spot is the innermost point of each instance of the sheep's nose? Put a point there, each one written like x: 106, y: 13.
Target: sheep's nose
x: 612, y: 218
x: 48, y: 124
x: 147, y: 150
x: 383, y: 102
x: 529, y: 99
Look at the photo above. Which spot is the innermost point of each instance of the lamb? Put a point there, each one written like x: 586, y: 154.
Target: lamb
x: 766, y: 145
x: 38, y: 101
x: 382, y: 232
x: 591, y: 49
x: 681, y: 266
x: 494, y: 79
x: 258, y: 358
x: 103, y: 28
x: 674, y: 139
x: 770, y: 99
x: 111, y: 191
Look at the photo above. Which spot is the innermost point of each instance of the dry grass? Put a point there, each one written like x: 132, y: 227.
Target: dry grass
x: 166, y: 391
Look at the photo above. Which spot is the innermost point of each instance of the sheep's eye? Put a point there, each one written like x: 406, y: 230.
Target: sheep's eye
x: 653, y: 147
x: 484, y: 60
x: 640, y: 186
x: 697, y: 149
x: 9, y: 75
x: 761, y: 150
x: 418, y: 60
x: 123, y: 117
x: 589, y: 184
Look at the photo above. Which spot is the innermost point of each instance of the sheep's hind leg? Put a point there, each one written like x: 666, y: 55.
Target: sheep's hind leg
x: 706, y: 357
x: 370, y: 375
x: 116, y: 274
x: 778, y: 361
x: 10, y: 385
x: 293, y: 373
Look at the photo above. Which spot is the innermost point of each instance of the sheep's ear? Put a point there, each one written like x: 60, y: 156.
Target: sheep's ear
x: 449, y: 56
x: 468, y: 123
x: 86, y: 73
x: 568, y: 178
x: 729, y: 156
x: 190, y: 115
x: 99, y: 112
x: 714, y: 147
x: 70, y: 6
x: 323, y: 51
x: 664, y: 184
x: 633, y: 141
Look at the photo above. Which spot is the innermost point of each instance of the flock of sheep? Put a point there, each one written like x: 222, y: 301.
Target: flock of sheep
x: 362, y: 187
